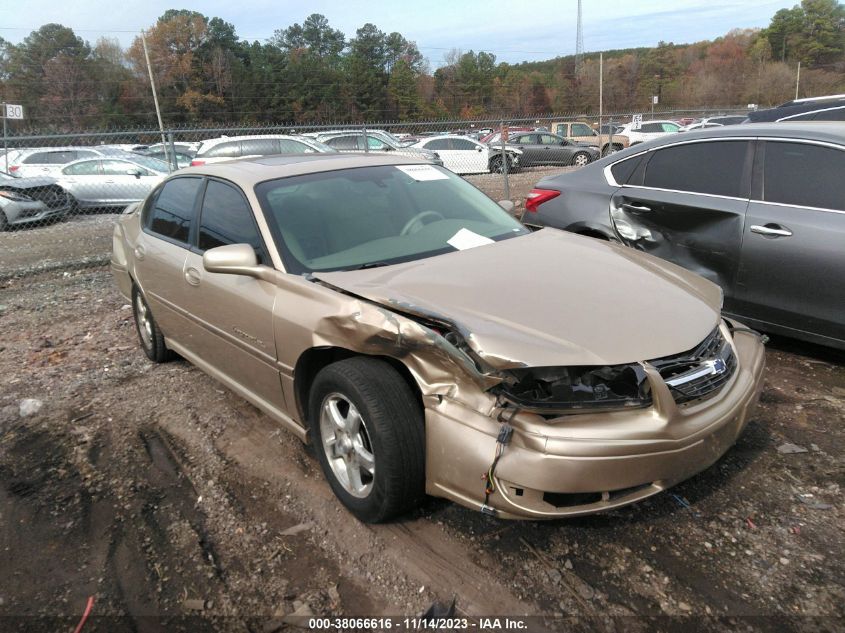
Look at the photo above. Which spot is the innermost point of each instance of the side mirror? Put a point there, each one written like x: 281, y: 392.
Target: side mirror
x: 133, y: 172
x: 507, y: 205
x: 234, y: 259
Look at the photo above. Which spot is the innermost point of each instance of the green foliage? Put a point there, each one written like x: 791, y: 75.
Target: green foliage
x: 310, y: 71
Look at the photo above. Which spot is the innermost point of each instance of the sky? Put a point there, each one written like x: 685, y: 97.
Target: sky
x: 513, y: 31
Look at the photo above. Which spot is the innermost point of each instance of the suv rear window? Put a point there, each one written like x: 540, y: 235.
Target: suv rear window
x: 51, y: 158
x: 229, y: 149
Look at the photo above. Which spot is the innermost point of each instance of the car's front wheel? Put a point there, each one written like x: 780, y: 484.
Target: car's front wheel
x: 368, y: 433
x: 580, y: 159
x: 4, y: 223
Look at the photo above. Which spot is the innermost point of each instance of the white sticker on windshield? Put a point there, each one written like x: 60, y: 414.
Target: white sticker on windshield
x: 422, y: 172
x: 465, y: 239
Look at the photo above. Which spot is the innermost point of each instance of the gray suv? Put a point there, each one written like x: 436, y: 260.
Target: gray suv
x: 759, y: 209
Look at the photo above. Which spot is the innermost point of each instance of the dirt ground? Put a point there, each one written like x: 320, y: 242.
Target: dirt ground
x: 178, y: 506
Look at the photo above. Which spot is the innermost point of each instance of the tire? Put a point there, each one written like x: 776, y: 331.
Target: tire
x: 389, y: 435
x: 496, y: 165
x: 4, y: 222
x: 580, y: 159
x: 152, y: 340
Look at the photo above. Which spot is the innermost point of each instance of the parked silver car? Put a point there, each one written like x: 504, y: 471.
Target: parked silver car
x: 112, y: 182
x: 30, y: 200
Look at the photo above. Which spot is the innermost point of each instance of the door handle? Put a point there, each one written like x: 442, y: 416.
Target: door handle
x: 192, y: 276
x: 636, y: 208
x: 771, y: 230
x: 140, y: 251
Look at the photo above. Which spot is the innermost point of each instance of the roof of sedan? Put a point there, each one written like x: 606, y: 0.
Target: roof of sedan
x: 249, y: 171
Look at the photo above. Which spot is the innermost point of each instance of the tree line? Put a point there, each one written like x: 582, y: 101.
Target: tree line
x: 311, y: 72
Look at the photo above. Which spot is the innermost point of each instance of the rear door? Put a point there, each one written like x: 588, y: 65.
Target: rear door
x: 231, y: 315
x: 686, y: 203
x: 84, y: 181
x: 161, y: 250
x: 472, y: 155
x: 124, y: 182
x: 792, y: 269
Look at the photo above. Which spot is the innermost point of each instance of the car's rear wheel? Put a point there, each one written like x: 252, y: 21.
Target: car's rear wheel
x: 368, y: 433
x: 580, y: 159
x: 152, y: 340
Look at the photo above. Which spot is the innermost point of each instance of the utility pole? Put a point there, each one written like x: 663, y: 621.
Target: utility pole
x: 601, y: 96
x: 579, y: 42
x: 797, y: 79
x: 155, y: 96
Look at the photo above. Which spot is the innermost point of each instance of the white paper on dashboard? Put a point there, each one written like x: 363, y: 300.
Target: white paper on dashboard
x: 422, y: 172
x: 465, y: 239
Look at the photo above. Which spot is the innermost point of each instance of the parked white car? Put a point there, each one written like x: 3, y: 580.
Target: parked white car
x: 463, y: 155
x: 48, y: 161
x: 649, y: 130
x: 215, y: 150
x: 112, y: 181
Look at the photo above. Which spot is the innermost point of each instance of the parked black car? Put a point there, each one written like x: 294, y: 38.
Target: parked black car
x: 830, y: 108
x: 545, y: 148
x: 759, y: 209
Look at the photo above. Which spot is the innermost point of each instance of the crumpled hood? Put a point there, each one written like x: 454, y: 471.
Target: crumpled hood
x: 28, y: 182
x: 550, y: 298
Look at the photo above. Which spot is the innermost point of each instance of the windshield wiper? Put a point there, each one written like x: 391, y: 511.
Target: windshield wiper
x: 370, y: 265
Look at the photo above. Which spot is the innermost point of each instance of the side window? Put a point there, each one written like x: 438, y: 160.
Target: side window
x: 259, y: 146
x: 835, y: 114
x: 226, y: 218
x: 84, y: 168
x: 804, y: 175
x: 375, y: 143
x: 229, y: 149
x: 121, y: 168
x: 343, y: 142
x: 548, y: 139
x: 85, y: 154
x: 289, y: 146
x: 173, y: 211
x: 623, y: 170
x: 650, y: 128
x: 51, y: 158
x: 711, y: 167
x: 669, y: 127
x: 560, y: 129
x: 437, y: 144
x: 463, y: 144
x: 581, y: 129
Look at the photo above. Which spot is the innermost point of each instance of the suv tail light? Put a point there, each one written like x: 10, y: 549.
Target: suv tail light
x: 197, y: 163
x: 536, y: 197
x: 13, y: 168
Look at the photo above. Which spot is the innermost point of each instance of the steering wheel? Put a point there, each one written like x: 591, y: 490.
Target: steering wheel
x: 417, y: 219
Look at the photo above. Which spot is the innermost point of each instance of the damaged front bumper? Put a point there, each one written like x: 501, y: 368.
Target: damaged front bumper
x: 589, y: 462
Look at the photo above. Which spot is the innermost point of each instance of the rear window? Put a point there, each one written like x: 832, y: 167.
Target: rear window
x: 173, y: 210
x: 714, y: 168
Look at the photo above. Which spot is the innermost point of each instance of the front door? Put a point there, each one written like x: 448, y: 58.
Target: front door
x: 232, y: 315
x: 793, y: 251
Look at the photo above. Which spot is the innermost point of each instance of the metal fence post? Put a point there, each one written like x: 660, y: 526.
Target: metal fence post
x: 504, y: 162
x: 171, y: 149
x: 366, y: 142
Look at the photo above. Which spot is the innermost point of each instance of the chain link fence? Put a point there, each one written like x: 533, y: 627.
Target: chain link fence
x: 58, y: 191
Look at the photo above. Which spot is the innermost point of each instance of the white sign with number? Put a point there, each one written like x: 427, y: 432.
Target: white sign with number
x: 636, y: 121
x: 654, y: 100
x: 13, y: 111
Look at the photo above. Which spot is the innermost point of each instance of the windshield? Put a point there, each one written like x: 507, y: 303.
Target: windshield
x: 352, y: 218
x: 320, y: 146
